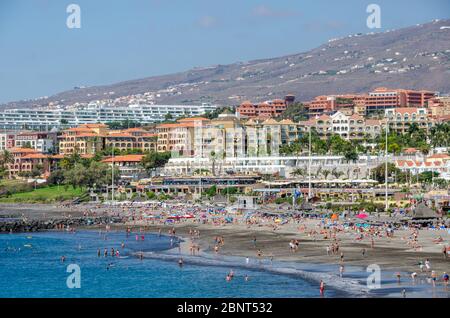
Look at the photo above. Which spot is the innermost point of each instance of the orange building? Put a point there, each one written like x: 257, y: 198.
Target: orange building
x: 84, y: 139
x: 273, y: 108
x: 179, y: 136
x: 25, y: 160
x: 132, y: 138
x: 383, y: 98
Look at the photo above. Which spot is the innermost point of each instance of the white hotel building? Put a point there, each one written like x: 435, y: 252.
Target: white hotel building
x: 46, y: 119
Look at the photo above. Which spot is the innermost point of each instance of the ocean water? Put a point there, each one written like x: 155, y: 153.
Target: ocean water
x: 30, y: 266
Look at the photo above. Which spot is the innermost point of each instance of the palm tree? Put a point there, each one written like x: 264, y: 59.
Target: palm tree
x: 301, y: 172
x: 212, y: 156
x: 6, y: 158
x: 336, y: 174
x: 326, y: 173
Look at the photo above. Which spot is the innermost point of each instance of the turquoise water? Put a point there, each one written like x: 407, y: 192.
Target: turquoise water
x: 30, y: 266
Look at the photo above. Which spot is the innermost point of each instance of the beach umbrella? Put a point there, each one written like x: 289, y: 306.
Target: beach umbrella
x: 361, y: 216
x: 334, y: 216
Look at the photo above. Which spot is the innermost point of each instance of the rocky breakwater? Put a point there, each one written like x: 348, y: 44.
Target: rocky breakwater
x: 15, y: 225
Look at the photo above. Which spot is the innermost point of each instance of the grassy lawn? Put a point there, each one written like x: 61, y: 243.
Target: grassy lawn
x: 43, y: 195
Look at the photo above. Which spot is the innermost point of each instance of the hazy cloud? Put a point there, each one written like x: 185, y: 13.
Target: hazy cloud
x: 207, y: 22
x: 323, y: 26
x: 266, y: 11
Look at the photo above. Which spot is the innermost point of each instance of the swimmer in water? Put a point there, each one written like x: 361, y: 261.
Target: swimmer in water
x: 322, y: 288
x: 63, y: 259
x: 246, y: 278
x: 98, y: 252
x: 180, y: 262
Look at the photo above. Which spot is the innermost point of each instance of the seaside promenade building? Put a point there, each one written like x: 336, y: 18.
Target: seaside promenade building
x: 130, y: 166
x: 279, y: 165
x: 437, y: 163
x: 46, y: 118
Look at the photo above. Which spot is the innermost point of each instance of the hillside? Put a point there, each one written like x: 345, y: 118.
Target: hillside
x: 415, y: 57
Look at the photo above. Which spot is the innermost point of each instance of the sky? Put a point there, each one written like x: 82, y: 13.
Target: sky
x: 121, y: 40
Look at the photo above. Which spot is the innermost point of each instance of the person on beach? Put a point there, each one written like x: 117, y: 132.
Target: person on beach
x: 444, y: 251
x: 322, y: 288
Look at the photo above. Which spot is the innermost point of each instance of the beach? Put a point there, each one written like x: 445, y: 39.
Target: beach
x: 272, y: 242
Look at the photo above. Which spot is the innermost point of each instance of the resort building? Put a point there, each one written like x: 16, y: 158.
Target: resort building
x: 400, y: 119
x: 383, y: 98
x: 26, y: 161
x: 85, y: 139
x: 130, y: 166
x: 179, y: 137
x: 46, y: 118
x: 7, y: 140
x: 352, y: 127
x: 131, y: 139
x: 272, y: 108
x: 439, y: 107
x: 45, y: 142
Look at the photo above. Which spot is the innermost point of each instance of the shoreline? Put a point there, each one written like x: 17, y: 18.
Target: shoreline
x: 392, y: 255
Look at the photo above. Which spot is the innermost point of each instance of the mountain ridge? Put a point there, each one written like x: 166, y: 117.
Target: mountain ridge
x: 415, y: 57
